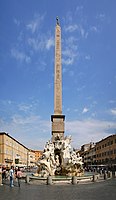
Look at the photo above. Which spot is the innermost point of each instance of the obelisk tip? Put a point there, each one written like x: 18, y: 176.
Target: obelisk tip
x: 57, y: 20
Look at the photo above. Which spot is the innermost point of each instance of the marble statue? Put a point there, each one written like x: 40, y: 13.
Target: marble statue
x: 60, y: 159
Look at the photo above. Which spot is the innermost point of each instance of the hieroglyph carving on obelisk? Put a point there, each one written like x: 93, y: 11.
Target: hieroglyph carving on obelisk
x: 57, y: 119
x: 58, y: 72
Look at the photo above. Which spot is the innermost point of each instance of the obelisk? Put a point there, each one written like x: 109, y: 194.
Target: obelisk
x: 57, y: 119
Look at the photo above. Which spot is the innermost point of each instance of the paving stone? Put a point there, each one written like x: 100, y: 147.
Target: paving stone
x: 91, y: 191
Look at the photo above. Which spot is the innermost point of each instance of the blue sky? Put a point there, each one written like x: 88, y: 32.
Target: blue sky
x: 27, y: 30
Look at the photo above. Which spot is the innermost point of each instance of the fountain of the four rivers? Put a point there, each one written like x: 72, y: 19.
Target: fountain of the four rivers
x: 58, y: 156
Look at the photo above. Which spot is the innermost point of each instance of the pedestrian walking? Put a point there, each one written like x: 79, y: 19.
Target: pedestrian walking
x: 11, y: 176
x: 3, y: 172
x: 19, y: 176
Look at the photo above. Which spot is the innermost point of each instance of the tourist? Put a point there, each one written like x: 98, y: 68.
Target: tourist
x: 11, y: 176
x: 15, y: 172
x: 3, y: 172
x: 19, y: 176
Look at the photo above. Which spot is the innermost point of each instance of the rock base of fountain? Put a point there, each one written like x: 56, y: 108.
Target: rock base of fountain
x: 60, y: 159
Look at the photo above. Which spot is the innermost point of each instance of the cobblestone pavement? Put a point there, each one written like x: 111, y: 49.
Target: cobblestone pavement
x: 105, y: 190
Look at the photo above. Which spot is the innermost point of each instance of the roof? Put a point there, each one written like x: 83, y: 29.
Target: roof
x: 110, y: 136
x: 7, y: 134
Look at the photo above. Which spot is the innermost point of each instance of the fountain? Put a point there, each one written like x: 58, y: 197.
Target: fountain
x: 58, y: 157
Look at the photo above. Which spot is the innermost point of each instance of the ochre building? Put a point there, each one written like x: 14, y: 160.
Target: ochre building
x: 12, y: 152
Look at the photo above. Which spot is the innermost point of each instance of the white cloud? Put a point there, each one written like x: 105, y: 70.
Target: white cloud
x: 113, y: 111
x: 112, y: 101
x: 34, y: 24
x: 33, y: 132
x: 101, y: 16
x: 68, y: 61
x: 72, y: 42
x: 79, y: 89
x: 82, y: 31
x: 85, y: 110
x: 16, y: 21
x: 49, y: 43
x: 19, y: 120
x: 40, y: 43
x: 87, y: 57
x: 71, y: 28
x: 69, y: 52
x: 68, y: 109
x: 27, y: 130
x: 36, y: 43
x: 85, y: 131
x: 79, y: 8
x: 94, y: 29
x: 79, y: 28
x: 25, y: 107
x: 21, y: 56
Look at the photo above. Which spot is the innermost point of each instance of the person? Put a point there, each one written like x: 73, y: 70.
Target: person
x: 15, y: 171
x: 11, y: 176
x: 18, y: 176
x: 3, y: 172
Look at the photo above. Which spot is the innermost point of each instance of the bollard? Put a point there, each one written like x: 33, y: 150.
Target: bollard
x: 94, y: 178
x: 110, y: 174
x: 27, y: 179
x: 115, y: 174
x: 1, y: 175
x: 1, y: 179
x: 105, y: 176
x: 49, y: 180
x: 98, y: 176
x: 74, y: 180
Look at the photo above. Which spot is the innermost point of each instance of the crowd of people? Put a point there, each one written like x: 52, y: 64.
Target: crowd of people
x: 14, y: 173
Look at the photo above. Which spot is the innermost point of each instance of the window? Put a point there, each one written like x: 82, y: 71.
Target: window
x: 111, y: 142
x: 114, y: 151
x: 111, y: 152
x: 6, y: 142
x: 16, y: 161
x: 103, y: 154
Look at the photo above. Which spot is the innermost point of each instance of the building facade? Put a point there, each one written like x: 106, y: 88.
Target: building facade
x: 106, y: 151
x: 102, y: 153
x: 12, y: 152
x: 31, y: 158
x: 38, y: 154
